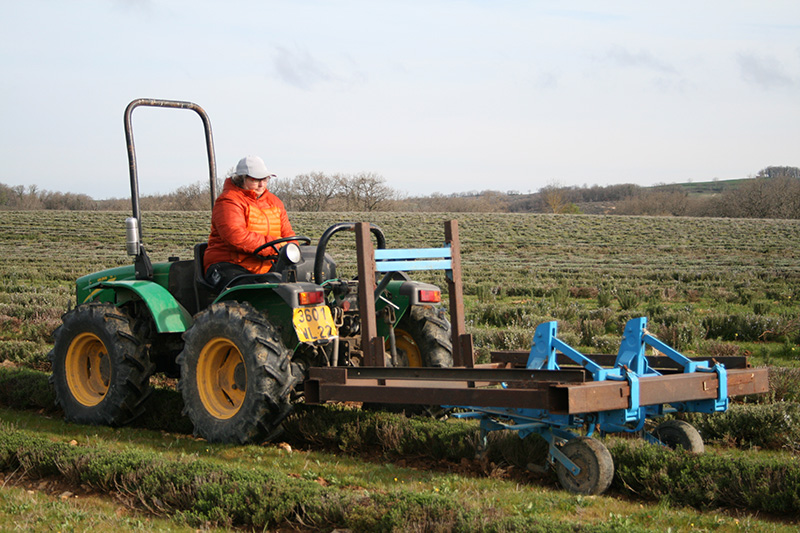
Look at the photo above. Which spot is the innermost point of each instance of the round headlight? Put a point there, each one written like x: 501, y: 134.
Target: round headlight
x: 292, y: 251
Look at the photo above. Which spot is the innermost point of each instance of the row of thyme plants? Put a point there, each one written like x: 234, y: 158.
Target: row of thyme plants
x: 228, y: 495
x: 706, y: 285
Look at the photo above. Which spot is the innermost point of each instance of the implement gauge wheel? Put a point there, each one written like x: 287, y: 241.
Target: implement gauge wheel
x: 423, y: 338
x: 679, y: 434
x: 101, y: 368
x: 595, y: 462
x: 235, y: 372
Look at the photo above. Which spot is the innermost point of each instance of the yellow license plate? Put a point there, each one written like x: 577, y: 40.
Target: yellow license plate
x: 314, y: 323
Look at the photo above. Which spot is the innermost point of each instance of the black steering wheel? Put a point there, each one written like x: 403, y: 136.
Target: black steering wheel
x: 274, y: 244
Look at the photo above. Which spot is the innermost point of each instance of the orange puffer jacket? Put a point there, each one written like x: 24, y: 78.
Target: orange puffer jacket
x: 240, y: 223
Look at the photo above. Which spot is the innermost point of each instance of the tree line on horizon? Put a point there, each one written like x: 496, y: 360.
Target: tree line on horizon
x: 772, y: 193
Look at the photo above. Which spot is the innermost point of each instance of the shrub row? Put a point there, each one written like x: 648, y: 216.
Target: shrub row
x: 708, y: 481
x: 682, y: 328
x: 773, y: 426
x: 687, y: 480
x: 201, y: 493
x: 705, y: 481
x: 751, y: 327
x: 360, y: 432
x: 23, y: 388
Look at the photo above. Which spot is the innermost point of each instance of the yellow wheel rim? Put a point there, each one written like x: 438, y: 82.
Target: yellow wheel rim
x: 405, y: 343
x: 88, y: 369
x: 221, y: 378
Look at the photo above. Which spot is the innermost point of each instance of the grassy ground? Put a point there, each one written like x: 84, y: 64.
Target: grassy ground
x: 44, y: 504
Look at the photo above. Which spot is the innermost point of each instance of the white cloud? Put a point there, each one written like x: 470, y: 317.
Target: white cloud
x: 297, y: 67
x: 644, y: 59
x: 764, y: 71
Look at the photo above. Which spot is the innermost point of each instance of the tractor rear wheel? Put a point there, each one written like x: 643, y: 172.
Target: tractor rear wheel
x: 676, y: 434
x: 595, y: 462
x: 235, y: 374
x: 101, y: 368
x: 423, y: 338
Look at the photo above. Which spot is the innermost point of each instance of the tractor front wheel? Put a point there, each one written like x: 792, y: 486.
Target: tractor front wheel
x: 101, y: 368
x: 235, y: 375
x: 595, y: 462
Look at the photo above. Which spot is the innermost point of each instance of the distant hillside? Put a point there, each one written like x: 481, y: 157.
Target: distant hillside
x: 705, y: 188
x: 772, y: 193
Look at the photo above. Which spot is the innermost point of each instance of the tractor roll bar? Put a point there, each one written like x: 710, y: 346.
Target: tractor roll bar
x: 175, y: 104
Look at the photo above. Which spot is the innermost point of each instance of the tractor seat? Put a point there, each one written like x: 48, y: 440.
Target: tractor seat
x: 199, y: 271
x: 269, y: 277
x: 204, y: 292
x: 200, y: 277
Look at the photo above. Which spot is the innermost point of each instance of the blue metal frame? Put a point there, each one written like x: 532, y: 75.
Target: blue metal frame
x: 630, y: 365
x: 405, y: 259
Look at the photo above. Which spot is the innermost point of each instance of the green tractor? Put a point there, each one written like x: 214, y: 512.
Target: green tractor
x: 242, y: 354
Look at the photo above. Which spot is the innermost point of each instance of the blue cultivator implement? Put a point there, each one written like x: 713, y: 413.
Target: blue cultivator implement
x: 553, y: 390
x: 583, y: 464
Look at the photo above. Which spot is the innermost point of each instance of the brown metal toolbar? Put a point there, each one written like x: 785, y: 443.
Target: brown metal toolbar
x: 559, y: 391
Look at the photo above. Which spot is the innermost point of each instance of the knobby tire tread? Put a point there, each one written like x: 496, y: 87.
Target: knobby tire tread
x: 267, y: 400
x: 128, y: 355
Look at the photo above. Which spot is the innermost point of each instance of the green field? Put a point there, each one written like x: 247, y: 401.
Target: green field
x: 707, y: 286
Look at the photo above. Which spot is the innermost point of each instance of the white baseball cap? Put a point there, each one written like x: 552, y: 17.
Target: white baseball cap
x: 254, y: 167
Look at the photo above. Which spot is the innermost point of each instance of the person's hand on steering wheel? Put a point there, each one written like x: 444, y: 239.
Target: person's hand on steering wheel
x: 274, y: 245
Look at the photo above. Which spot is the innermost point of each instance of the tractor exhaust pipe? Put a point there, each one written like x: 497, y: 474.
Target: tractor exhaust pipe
x: 132, y: 243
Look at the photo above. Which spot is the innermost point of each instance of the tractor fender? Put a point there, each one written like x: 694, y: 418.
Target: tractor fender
x: 288, y: 292
x: 410, y: 289
x: 168, y: 314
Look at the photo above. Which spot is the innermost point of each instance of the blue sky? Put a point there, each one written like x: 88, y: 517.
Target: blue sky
x: 435, y: 96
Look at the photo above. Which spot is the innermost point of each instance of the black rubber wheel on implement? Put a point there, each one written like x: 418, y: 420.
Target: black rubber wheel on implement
x: 101, y: 368
x: 679, y: 434
x: 235, y: 375
x: 595, y: 462
x: 423, y: 338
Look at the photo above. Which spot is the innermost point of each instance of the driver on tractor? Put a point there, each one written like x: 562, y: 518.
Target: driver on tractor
x: 245, y: 217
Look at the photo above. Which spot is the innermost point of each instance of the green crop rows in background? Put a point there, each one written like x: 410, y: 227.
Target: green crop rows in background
x: 719, y: 286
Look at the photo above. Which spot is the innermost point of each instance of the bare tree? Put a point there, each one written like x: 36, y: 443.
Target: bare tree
x: 21, y: 197
x: 366, y: 191
x: 67, y: 201
x: 314, y: 191
x: 657, y: 203
x: 554, y: 197
x: 194, y: 197
x: 283, y: 188
x: 773, y: 193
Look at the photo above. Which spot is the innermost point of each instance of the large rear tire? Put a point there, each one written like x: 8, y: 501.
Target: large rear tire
x: 423, y: 338
x: 235, y: 375
x: 101, y: 368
